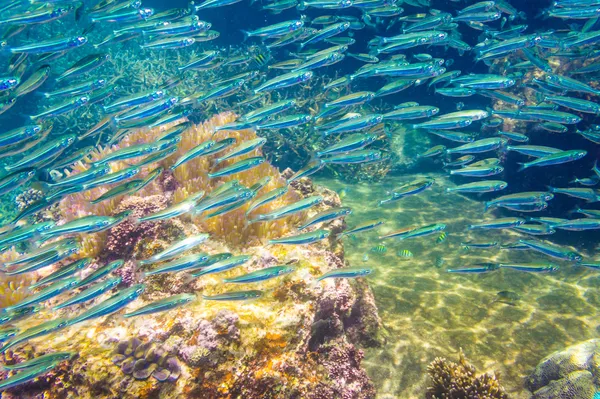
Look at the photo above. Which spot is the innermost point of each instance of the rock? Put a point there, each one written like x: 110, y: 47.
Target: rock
x: 576, y: 385
x: 583, y: 356
x: 567, y: 374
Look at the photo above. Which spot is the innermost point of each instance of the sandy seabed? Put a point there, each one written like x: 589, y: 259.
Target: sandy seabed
x: 428, y: 312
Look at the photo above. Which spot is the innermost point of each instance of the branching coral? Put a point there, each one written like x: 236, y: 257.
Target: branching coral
x: 458, y: 381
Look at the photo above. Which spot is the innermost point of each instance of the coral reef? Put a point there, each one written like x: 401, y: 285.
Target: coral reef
x: 143, y: 360
x: 210, y: 337
x: 571, y: 373
x: 459, y: 381
x: 301, y: 339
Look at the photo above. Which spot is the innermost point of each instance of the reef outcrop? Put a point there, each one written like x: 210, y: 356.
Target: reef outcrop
x: 571, y: 373
x: 301, y: 339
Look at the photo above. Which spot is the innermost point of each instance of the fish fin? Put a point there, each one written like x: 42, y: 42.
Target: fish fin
x: 5, y: 347
x: 89, y: 29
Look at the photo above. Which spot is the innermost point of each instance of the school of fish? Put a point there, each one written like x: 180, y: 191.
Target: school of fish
x: 285, y: 57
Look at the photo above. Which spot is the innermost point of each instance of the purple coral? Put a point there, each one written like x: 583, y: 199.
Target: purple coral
x: 342, y: 361
x: 128, y: 273
x: 226, y: 324
x: 167, y: 181
x: 122, y: 238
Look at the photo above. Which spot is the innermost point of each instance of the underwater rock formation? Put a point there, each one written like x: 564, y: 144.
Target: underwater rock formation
x: 459, y: 381
x: 571, y: 373
x: 302, y: 339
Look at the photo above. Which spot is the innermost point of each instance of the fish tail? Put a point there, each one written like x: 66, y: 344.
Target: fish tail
x: 29, y: 118
x: 246, y: 34
x: 5, y: 347
x: 522, y: 166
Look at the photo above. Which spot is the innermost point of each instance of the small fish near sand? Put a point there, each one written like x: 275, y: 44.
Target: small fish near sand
x: 507, y: 297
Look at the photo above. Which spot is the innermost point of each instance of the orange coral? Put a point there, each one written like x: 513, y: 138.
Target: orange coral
x: 192, y: 177
x: 13, y: 288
